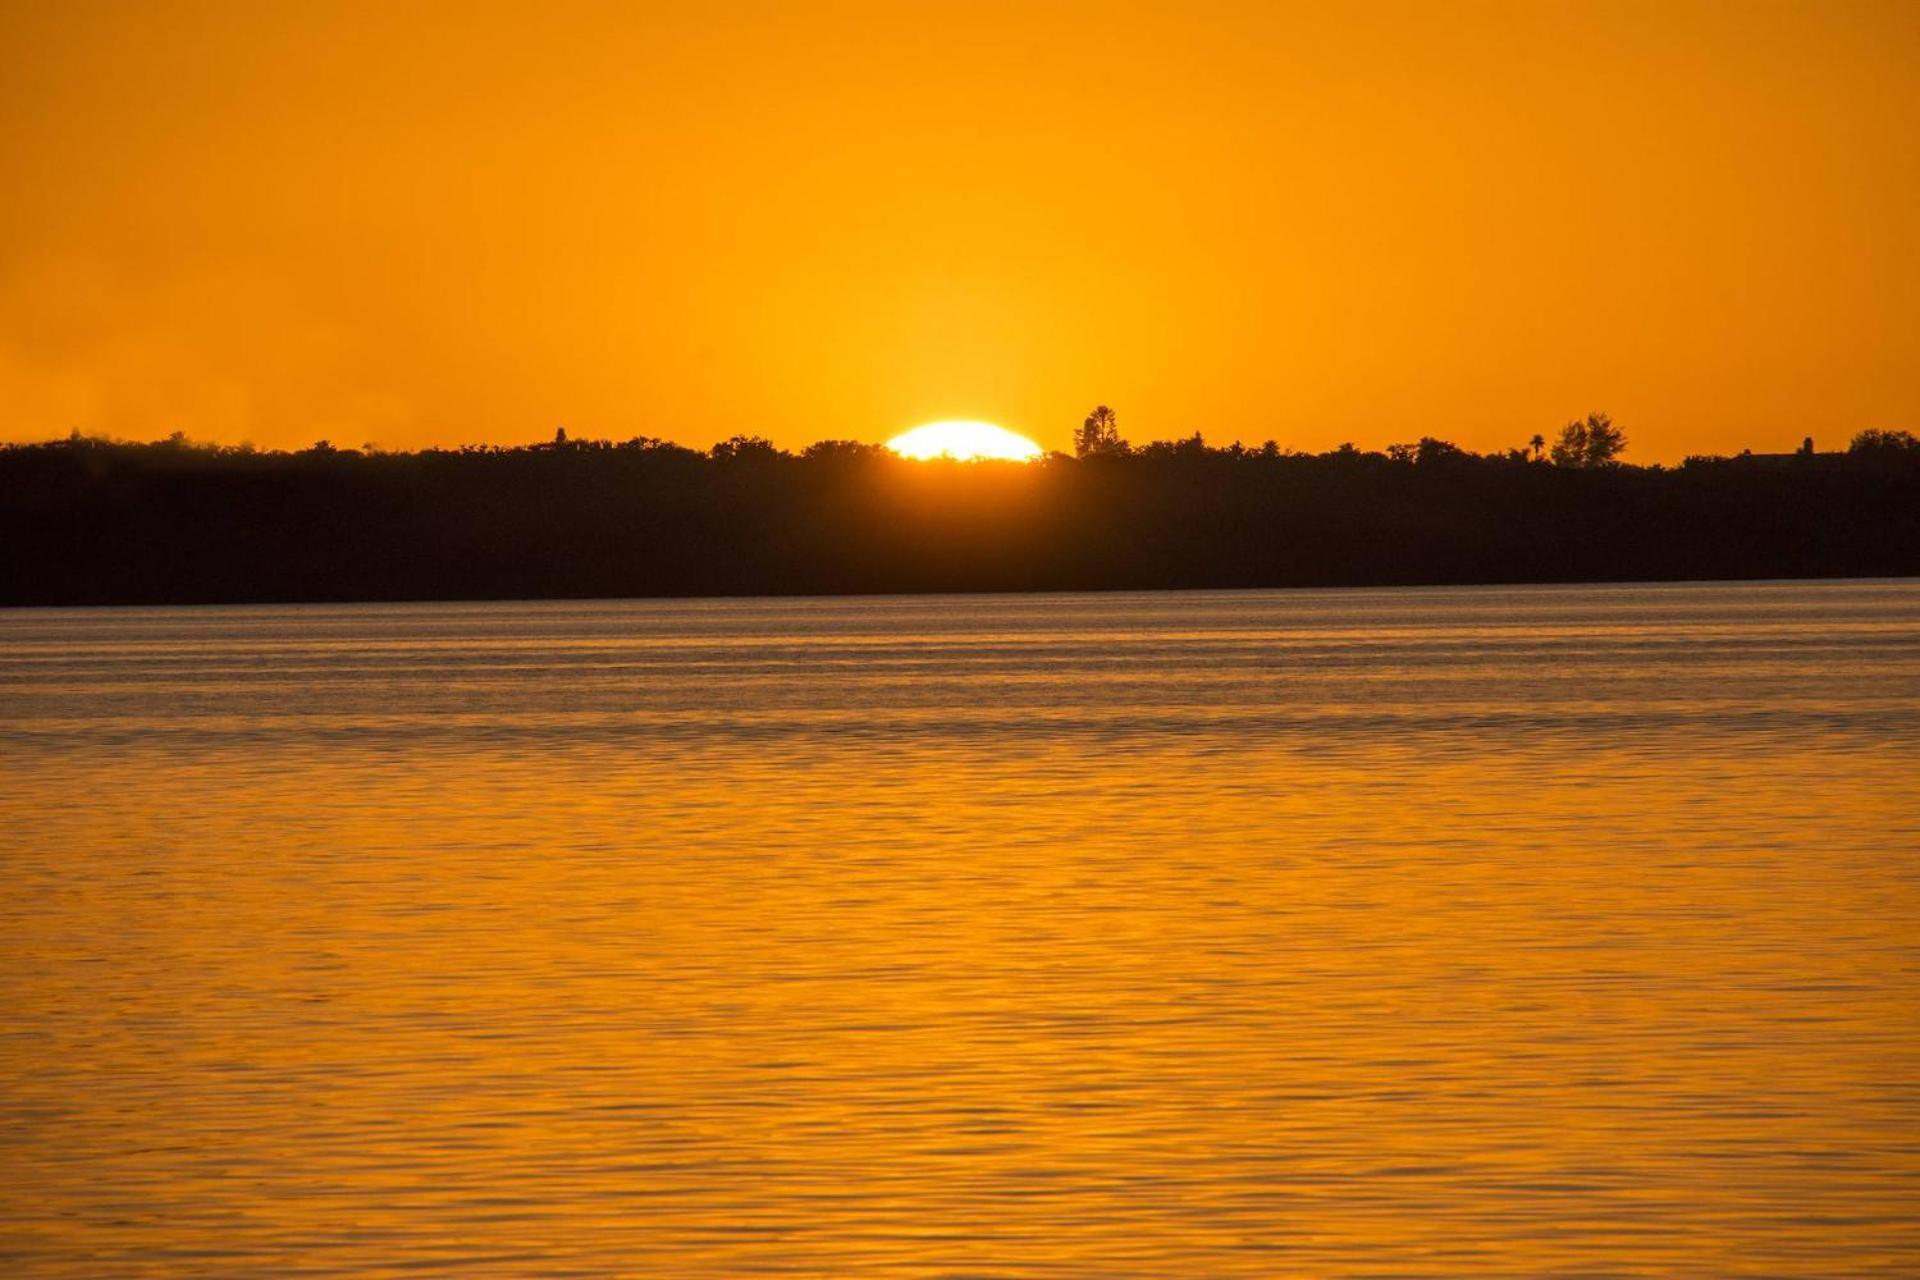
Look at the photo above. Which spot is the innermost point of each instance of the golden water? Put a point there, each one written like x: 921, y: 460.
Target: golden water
x: 1429, y: 932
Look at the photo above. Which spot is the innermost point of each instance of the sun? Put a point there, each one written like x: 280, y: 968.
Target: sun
x: 965, y: 441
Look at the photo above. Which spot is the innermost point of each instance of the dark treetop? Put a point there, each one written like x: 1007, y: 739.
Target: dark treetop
x: 86, y: 521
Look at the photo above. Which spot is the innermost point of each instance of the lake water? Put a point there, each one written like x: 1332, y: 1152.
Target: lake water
x: 1518, y: 931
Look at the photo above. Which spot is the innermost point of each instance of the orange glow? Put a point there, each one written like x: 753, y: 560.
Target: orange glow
x: 1310, y: 222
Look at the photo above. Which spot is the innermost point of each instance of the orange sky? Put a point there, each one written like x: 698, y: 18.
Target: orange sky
x: 1315, y: 222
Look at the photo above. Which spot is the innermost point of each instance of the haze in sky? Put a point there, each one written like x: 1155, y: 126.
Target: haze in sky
x: 410, y: 225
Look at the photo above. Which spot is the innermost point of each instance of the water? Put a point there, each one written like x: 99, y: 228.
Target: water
x: 1481, y: 932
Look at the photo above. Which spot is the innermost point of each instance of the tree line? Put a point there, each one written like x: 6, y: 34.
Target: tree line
x: 92, y: 521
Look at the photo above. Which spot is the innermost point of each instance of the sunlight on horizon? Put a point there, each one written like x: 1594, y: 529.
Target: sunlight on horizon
x: 964, y: 442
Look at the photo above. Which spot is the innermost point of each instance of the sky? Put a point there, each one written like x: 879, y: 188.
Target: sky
x: 408, y: 224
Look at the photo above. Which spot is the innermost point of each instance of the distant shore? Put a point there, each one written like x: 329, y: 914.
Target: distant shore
x: 86, y: 521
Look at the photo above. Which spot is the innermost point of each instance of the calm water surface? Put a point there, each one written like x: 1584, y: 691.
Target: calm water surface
x: 1539, y: 931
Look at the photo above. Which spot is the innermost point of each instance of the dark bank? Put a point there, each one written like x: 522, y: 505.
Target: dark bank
x: 87, y: 521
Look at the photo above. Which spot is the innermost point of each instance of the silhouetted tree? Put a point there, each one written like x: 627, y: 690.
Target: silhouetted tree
x: 1605, y: 442
x: 844, y: 450
x: 1099, y: 435
x: 1595, y: 442
x: 1431, y: 451
x: 1538, y: 444
x: 747, y: 448
x: 1875, y: 441
x: 1193, y: 446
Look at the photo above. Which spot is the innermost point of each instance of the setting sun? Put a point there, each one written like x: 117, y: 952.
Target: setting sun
x: 965, y: 442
